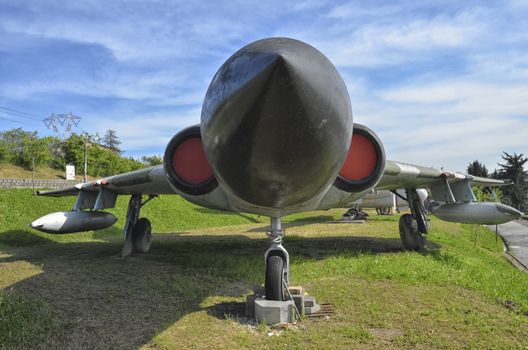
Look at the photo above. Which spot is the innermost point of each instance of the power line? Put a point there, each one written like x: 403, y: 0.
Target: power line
x: 11, y: 114
x: 12, y: 111
x: 15, y: 121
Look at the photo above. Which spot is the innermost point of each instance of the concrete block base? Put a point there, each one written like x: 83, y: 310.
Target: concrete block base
x: 310, y: 306
x: 272, y: 312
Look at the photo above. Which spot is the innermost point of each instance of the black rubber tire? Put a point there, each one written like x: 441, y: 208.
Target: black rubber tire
x: 142, y: 236
x: 352, y: 214
x: 274, y: 284
x: 410, y: 236
x: 384, y: 211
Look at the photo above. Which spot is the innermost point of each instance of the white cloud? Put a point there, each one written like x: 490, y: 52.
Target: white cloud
x: 442, y: 82
x: 130, y: 30
x: 449, y: 123
x: 350, y: 11
x: 391, y: 42
x: 149, y: 130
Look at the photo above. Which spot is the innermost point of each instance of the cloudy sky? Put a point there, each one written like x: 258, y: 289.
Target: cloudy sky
x: 442, y: 82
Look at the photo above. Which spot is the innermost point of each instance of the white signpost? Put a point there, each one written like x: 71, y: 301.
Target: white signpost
x: 70, y: 172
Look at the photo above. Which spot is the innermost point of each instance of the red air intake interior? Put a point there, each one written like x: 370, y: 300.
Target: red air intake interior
x: 189, y: 162
x: 361, y: 159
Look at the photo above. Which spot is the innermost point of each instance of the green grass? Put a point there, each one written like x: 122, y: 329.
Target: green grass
x: 24, y: 322
x: 167, y: 214
x: 461, y: 294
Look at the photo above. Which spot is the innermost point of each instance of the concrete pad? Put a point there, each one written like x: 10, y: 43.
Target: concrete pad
x: 299, y: 303
x: 348, y: 222
x: 273, y: 312
x: 258, y: 290
x: 310, y: 310
x: 296, y: 290
x: 309, y: 301
x: 310, y: 306
x: 250, y: 306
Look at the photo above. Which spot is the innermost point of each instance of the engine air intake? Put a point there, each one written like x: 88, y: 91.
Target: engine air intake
x: 185, y: 163
x: 363, y: 166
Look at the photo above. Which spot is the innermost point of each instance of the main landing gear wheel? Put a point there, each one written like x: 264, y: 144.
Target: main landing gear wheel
x: 383, y: 211
x: 411, y: 237
x: 351, y: 214
x: 137, y: 231
x: 274, y: 282
x: 142, y: 235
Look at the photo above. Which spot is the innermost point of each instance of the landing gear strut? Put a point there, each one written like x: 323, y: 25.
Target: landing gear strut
x: 414, y: 227
x: 138, y: 234
x: 277, y: 260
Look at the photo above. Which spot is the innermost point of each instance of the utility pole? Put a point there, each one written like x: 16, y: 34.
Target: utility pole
x: 33, y: 167
x: 33, y: 162
x: 85, y: 156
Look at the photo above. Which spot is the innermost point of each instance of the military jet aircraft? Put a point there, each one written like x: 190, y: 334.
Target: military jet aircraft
x: 276, y: 137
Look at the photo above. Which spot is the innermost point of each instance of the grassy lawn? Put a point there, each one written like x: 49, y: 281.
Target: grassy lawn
x: 74, y: 291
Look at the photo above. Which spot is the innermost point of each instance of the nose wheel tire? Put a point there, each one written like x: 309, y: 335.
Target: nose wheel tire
x: 274, y: 279
x: 410, y: 235
x: 142, y: 236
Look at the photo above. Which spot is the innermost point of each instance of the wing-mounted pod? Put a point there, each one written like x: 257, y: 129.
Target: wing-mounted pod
x: 364, y: 164
x: 185, y: 163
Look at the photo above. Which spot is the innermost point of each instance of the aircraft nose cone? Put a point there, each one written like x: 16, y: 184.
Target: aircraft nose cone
x: 276, y: 123
x: 509, y: 211
x: 36, y: 224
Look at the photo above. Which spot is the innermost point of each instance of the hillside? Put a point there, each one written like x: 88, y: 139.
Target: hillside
x: 74, y: 291
x: 10, y: 171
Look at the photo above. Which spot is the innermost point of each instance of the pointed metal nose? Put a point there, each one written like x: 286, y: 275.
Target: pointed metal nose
x: 276, y: 123
x: 509, y: 211
x: 35, y: 224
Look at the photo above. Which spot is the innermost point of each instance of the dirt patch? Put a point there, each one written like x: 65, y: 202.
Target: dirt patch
x: 101, y: 301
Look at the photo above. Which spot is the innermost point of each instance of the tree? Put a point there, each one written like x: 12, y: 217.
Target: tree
x: 21, y: 147
x: 476, y: 168
x: 513, y: 169
x: 111, y: 141
x: 487, y: 194
x: 13, y: 143
x: 37, y: 149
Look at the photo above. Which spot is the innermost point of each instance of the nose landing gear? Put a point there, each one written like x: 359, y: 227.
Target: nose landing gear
x: 277, y: 261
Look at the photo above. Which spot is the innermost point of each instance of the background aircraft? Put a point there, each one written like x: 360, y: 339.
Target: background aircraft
x: 384, y: 201
x: 276, y: 137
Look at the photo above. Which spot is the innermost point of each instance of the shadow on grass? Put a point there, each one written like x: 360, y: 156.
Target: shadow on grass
x: 219, y: 212
x: 103, y: 301
x: 296, y: 222
x: 29, y: 237
x: 21, y: 238
x: 228, y: 310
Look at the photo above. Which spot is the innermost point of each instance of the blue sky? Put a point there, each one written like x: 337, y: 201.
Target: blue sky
x: 442, y: 82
